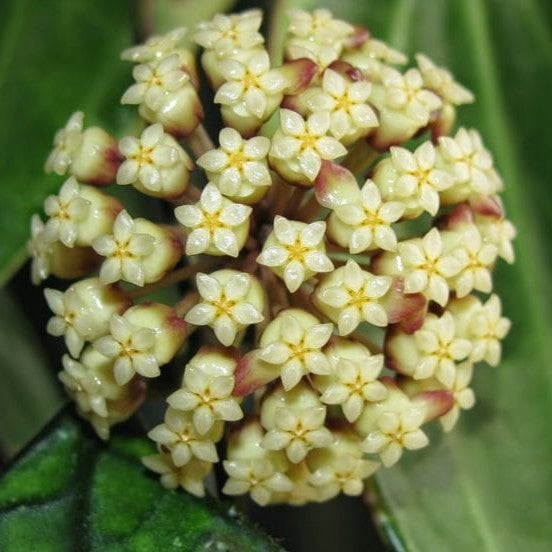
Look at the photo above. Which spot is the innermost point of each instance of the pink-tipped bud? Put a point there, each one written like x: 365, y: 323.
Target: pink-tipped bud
x: 406, y: 309
x: 335, y: 186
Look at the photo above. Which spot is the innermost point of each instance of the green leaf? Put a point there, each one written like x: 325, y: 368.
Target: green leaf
x: 69, y: 492
x: 55, y: 57
x: 487, y: 485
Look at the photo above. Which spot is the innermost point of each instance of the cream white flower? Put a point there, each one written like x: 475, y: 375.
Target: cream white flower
x: 131, y: 347
x: 353, y: 384
x: 427, y: 268
x: 154, y: 81
x: 83, y: 312
x: 295, y: 251
x: 209, y: 397
x: 442, y: 82
x: 318, y: 26
x: 155, y: 47
x: 155, y: 163
x: 251, y: 88
x: 350, y: 115
x: 217, y: 225
x: 231, y: 301
x: 372, y: 57
x: 349, y: 295
x: 366, y: 223
x: 471, y: 165
x: 397, y: 429
x: 499, y: 232
x: 239, y: 168
x: 293, y: 342
x: 299, y: 146
x: 477, y: 259
x: 432, y: 351
x: 189, y: 476
x: 66, y: 142
x: 227, y: 33
x: 413, y: 179
x: 125, y: 250
x: 298, y: 431
x: 40, y: 250
x: 256, y: 476
x: 178, y: 436
x: 464, y: 397
x: 321, y: 54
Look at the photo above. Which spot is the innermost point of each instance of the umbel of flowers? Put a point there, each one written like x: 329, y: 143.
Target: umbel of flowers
x: 332, y: 249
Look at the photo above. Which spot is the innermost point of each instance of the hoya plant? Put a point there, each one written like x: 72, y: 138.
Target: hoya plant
x: 277, y: 285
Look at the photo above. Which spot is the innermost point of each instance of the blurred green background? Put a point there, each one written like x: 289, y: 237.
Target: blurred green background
x: 486, y: 486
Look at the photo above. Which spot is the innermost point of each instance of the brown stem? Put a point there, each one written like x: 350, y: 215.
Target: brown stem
x: 360, y: 157
x: 186, y: 303
x: 281, y: 193
x: 200, y: 141
x: 277, y: 294
x: 176, y: 276
x: 309, y: 210
x: 191, y: 195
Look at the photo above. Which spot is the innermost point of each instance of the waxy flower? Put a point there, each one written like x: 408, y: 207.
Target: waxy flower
x: 464, y: 397
x: 89, y: 382
x: 216, y: 225
x: 413, y: 179
x: 79, y: 214
x: 319, y: 26
x: 299, y: 146
x: 155, y: 163
x: 482, y: 324
x: 499, y: 232
x: 365, y: 223
x: 295, y: 251
x: 239, y: 168
x: 349, y: 295
x: 432, y: 351
x: 396, y: 429
x: 292, y: 342
x: 190, y: 476
x: 404, y: 106
x: 471, y: 165
x: 251, y: 93
x: 90, y: 155
x: 138, y: 251
x: 340, y: 467
x: 351, y: 117
x: 353, y: 379
x: 207, y: 392
x: 178, y: 436
x: 231, y: 301
x: 82, y: 313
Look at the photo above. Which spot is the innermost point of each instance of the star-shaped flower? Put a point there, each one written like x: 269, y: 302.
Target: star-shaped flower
x: 239, y: 168
x: 298, y: 431
x: 227, y: 33
x: 299, y: 146
x: 178, y: 436
x: 471, y: 165
x: 416, y: 180
x: 251, y: 89
x: 132, y: 348
x: 293, y: 342
x: 295, y: 251
x: 318, y: 26
x: 40, y: 250
x: 125, y: 250
x: 499, y: 232
x: 66, y: 142
x: 476, y: 258
x: 366, y: 224
x: 154, y: 81
x: 442, y: 82
x: 349, y: 295
x: 397, y: 429
x: 351, y: 117
x: 427, y: 268
x: 217, y: 225
x: 231, y: 301
x: 155, y: 47
x: 155, y: 162
x: 189, y: 476
x: 209, y: 397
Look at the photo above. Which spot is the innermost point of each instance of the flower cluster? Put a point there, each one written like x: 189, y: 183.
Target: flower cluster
x: 337, y: 278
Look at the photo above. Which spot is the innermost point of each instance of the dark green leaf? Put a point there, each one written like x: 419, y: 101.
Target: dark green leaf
x: 68, y: 492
